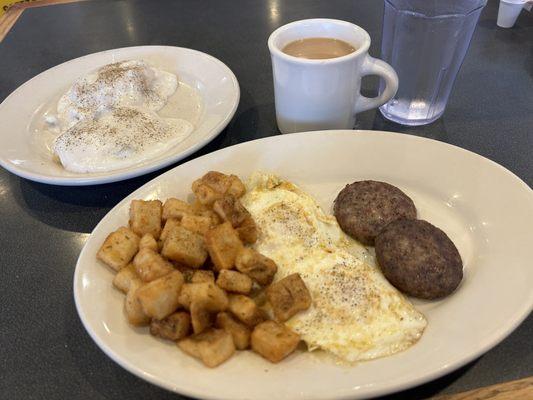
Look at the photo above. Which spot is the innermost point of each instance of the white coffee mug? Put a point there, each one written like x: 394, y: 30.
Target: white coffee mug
x: 314, y: 94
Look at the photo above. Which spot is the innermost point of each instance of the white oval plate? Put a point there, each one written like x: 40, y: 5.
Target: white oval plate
x: 21, y: 154
x: 485, y: 209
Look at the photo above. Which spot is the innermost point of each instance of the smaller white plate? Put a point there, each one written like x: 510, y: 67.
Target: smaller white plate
x: 24, y: 153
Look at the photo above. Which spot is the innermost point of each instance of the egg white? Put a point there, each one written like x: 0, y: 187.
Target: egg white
x: 356, y: 314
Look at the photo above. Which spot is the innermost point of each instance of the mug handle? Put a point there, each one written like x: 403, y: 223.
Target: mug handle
x: 373, y: 66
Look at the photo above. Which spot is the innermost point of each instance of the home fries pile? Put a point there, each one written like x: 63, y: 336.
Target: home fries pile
x: 189, y: 272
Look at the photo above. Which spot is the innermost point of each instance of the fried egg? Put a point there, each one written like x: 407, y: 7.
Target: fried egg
x: 356, y: 314
x: 132, y: 83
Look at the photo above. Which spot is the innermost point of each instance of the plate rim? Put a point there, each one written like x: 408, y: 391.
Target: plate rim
x: 129, y: 173
x: 393, y: 386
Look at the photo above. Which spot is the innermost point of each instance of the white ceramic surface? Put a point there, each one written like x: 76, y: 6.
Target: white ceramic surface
x: 20, y: 153
x: 508, y: 12
x: 485, y: 209
x: 324, y: 94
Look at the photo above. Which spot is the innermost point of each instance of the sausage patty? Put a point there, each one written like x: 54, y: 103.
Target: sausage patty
x: 364, y: 208
x: 419, y: 259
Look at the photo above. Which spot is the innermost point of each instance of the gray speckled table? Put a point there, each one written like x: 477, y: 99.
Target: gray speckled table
x: 45, y: 352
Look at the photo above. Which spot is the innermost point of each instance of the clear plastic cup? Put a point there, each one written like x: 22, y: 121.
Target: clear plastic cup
x: 425, y: 41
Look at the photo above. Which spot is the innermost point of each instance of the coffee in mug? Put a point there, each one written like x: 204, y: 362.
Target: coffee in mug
x: 323, y: 92
x: 318, y: 48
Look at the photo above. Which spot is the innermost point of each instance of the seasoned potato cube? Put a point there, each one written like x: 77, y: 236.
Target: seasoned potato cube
x: 288, y: 296
x: 185, y: 247
x: 213, y: 346
x: 217, y: 181
x: 231, y: 210
x: 134, y: 311
x: 174, y: 327
x: 256, y: 265
x: 149, y: 265
x: 209, y: 295
x: 119, y: 248
x: 204, y: 193
x: 185, y: 296
x: 125, y: 278
x: 148, y: 242
x: 201, y: 318
x: 201, y: 275
x: 234, y: 281
x: 245, y: 309
x: 239, y: 332
x: 214, y: 185
x: 223, y: 244
x: 213, y: 217
x: 247, y: 230
x: 236, y: 187
x: 274, y: 341
x: 169, y: 225
x: 174, y: 208
x: 159, y: 298
x: 196, y: 223
x: 145, y: 217
x: 198, y: 208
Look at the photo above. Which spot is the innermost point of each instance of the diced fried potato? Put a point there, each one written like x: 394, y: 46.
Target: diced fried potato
x: 170, y: 224
x: 134, y: 311
x: 210, y: 187
x: 198, y: 208
x: 145, y: 217
x: 213, y: 217
x: 213, y: 346
x: 236, y: 187
x: 230, y: 209
x: 174, y: 327
x: 239, y: 332
x: 201, y: 318
x: 288, y: 296
x: 196, y: 223
x: 185, y: 247
x: 148, y: 242
x: 247, y: 231
x: 256, y: 265
x: 201, y: 275
x: 174, y: 208
x: 159, y: 298
x: 125, y: 278
x: 205, y: 193
x: 245, y: 309
x: 234, y: 281
x: 149, y: 265
x: 118, y: 248
x: 217, y: 180
x: 223, y: 244
x: 209, y: 295
x: 185, y: 296
x: 274, y: 341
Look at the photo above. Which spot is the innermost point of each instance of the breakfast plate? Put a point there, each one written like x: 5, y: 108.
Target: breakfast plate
x: 457, y: 190
x: 207, y: 97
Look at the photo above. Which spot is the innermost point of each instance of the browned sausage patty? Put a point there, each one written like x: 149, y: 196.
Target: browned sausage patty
x: 364, y: 208
x: 419, y: 259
